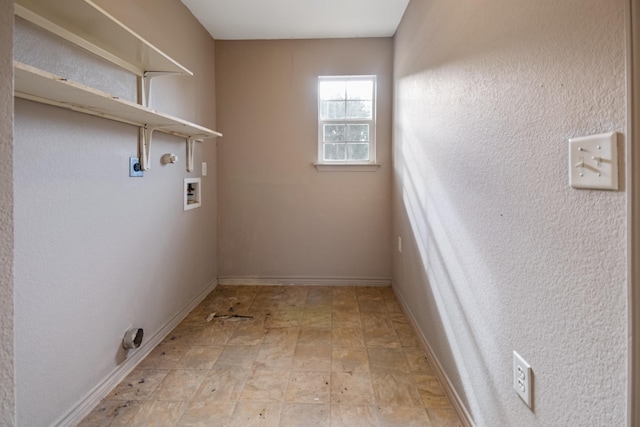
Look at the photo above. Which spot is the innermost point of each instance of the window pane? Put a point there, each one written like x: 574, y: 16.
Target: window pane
x: 359, y: 110
x: 358, y: 133
x: 360, y: 89
x: 357, y: 151
x: 334, y: 133
x: 331, y: 110
x: 332, y: 89
x: 334, y: 151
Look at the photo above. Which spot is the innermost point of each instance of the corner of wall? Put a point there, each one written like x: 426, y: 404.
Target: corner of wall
x: 633, y: 184
x: 7, y: 372
x: 447, y: 385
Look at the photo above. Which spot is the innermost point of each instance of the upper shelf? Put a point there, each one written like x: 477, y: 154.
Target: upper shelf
x: 41, y: 86
x: 85, y: 24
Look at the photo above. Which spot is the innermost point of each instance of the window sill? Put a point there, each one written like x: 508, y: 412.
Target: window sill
x: 347, y: 167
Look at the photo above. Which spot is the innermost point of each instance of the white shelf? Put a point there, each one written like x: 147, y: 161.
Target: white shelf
x: 41, y: 86
x: 85, y: 24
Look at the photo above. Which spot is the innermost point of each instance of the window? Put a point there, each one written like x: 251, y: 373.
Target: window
x: 346, y: 120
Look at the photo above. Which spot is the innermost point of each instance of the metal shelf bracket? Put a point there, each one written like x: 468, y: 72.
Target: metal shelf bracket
x: 190, y: 143
x: 146, y: 133
x: 145, y: 86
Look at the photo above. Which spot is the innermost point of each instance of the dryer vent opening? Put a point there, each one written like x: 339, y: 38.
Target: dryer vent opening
x: 132, y: 338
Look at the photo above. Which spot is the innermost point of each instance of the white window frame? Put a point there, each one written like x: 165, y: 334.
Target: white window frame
x: 329, y: 165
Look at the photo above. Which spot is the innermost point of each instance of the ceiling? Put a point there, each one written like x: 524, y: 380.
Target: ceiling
x: 297, y: 19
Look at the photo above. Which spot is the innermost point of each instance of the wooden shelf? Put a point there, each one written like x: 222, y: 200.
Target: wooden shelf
x: 41, y: 86
x: 83, y: 23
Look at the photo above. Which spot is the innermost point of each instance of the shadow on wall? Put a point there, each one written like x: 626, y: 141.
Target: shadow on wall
x: 454, y: 308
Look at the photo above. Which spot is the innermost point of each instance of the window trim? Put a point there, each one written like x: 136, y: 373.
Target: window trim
x: 347, y: 165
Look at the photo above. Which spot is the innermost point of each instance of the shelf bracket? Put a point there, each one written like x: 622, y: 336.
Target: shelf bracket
x: 146, y: 132
x: 190, y: 143
x: 145, y: 86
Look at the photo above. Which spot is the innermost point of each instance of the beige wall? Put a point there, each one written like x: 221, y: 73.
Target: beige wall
x: 97, y: 252
x: 7, y: 385
x: 500, y: 253
x: 281, y: 219
x: 169, y: 25
x: 633, y: 180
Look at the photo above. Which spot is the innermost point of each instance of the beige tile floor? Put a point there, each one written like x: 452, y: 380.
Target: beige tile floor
x: 309, y: 356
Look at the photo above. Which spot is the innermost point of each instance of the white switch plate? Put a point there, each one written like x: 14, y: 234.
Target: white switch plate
x: 204, y: 168
x: 522, y: 379
x: 593, y: 162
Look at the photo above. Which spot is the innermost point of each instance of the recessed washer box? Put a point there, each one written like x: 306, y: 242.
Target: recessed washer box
x: 192, y: 193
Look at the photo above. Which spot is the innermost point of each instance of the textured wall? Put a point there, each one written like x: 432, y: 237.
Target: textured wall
x: 633, y: 177
x: 500, y: 253
x: 96, y: 251
x: 279, y: 217
x: 7, y: 386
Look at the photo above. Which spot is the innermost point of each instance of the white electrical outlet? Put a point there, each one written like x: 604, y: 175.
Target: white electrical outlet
x: 522, y: 379
x: 204, y: 168
x: 399, y: 244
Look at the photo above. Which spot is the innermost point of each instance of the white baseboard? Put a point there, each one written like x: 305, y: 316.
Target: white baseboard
x: 303, y: 281
x: 85, y: 405
x: 461, y: 410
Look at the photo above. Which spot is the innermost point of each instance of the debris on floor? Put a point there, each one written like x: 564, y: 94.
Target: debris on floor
x: 229, y: 317
x: 116, y: 411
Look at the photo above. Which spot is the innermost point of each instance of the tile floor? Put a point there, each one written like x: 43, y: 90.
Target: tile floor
x: 308, y: 356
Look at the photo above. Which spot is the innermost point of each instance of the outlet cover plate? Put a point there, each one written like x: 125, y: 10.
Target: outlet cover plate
x: 593, y: 162
x: 522, y: 378
x: 133, y: 161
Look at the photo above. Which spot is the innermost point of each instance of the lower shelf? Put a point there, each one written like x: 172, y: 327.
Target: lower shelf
x: 41, y: 86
